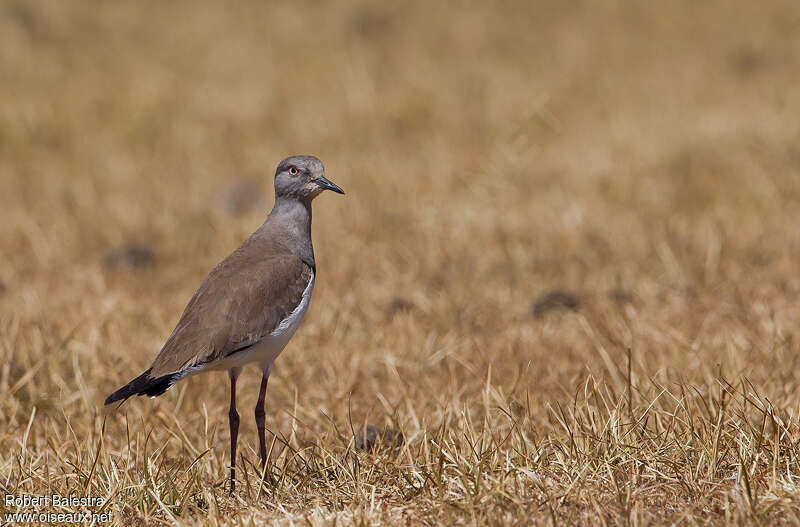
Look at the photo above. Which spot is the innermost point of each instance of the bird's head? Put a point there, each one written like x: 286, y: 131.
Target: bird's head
x: 302, y: 178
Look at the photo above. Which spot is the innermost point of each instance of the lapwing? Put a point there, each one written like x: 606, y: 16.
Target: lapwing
x: 250, y: 305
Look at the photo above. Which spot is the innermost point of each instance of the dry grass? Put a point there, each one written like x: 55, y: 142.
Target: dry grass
x: 644, y: 158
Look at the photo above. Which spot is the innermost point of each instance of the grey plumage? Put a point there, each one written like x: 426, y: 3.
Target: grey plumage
x: 249, y: 305
x: 247, y: 295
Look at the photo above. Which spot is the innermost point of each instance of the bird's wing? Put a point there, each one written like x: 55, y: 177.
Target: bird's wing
x: 240, y: 302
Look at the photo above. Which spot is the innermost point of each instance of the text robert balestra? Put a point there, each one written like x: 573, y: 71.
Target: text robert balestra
x: 53, y: 500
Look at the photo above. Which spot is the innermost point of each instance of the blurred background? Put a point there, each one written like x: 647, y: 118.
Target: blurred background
x: 533, y: 188
x: 490, y: 151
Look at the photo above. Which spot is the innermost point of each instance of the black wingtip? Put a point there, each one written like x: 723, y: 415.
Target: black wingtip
x: 144, y: 385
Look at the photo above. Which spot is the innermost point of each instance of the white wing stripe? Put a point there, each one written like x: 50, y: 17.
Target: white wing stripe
x: 294, y: 318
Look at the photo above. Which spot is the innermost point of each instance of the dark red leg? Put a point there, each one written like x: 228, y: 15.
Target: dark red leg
x: 233, y: 421
x: 260, y: 417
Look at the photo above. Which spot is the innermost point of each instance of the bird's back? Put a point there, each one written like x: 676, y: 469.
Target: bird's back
x: 242, y: 300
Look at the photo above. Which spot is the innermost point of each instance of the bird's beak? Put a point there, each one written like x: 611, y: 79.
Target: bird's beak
x: 326, y: 184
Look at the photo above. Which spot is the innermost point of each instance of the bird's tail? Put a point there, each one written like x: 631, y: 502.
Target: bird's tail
x: 144, y: 385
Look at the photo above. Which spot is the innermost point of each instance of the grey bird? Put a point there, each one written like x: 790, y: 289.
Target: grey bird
x: 250, y: 304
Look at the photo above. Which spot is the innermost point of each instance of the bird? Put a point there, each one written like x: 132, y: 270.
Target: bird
x: 249, y: 305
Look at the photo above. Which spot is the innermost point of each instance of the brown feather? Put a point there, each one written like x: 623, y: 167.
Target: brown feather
x: 241, y: 301
x: 244, y: 300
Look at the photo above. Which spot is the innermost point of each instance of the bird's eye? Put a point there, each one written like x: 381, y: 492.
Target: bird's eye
x: 293, y: 171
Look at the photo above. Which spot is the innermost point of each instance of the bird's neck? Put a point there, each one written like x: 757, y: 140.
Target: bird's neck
x: 295, y: 215
x: 294, y: 212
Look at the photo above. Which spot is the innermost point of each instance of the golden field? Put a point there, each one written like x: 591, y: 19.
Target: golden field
x: 642, y: 157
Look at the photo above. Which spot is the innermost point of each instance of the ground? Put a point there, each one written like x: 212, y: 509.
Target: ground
x: 566, y: 266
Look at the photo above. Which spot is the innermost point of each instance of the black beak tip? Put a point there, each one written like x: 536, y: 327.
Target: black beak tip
x: 327, y: 184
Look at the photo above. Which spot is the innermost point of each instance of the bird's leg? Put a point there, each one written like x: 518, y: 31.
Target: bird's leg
x: 260, y: 416
x: 233, y: 421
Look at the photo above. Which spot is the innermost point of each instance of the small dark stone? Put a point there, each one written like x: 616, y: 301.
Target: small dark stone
x: 15, y: 371
x: 372, y: 438
x: 392, y: 438
x: 747, y: 60
x: 554, y: 300
x: 200, y: 502
x: 370, y: 23
x: 130, y: 257
x: 399, y: 305
x: 621, y: 296
x: 365, y: 438
x: 24, y: 16
x: 241, y: 197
